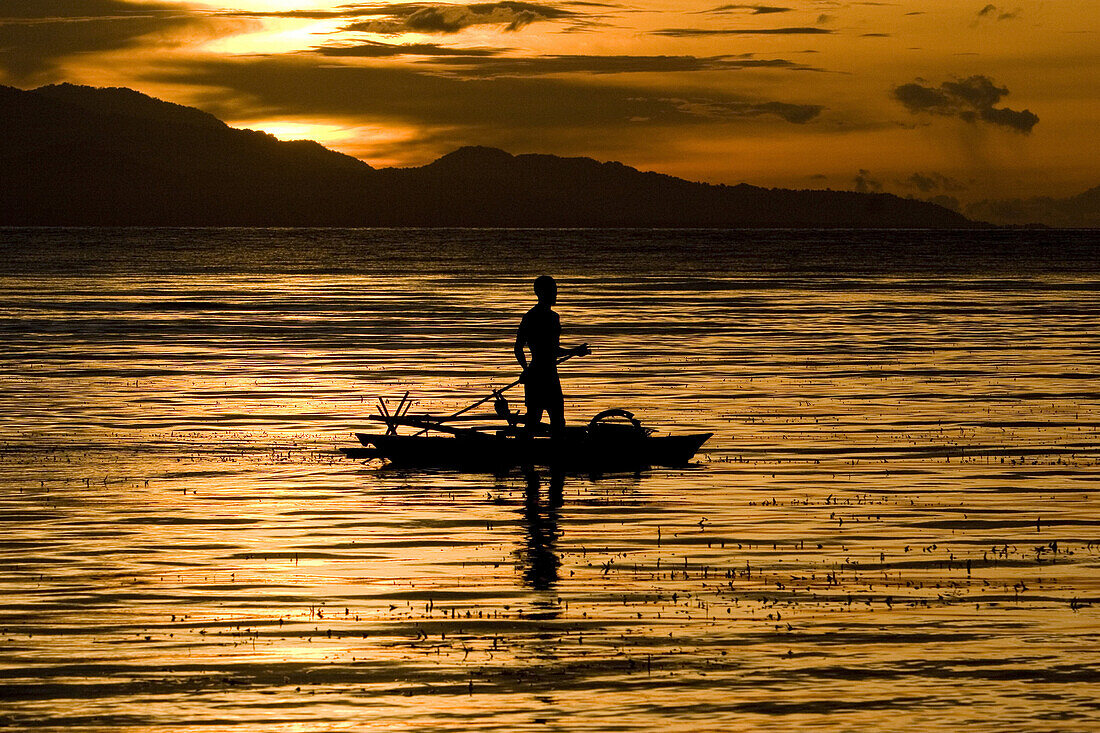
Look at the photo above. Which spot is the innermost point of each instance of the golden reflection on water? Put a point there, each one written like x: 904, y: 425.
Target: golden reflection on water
x: 895, y: 521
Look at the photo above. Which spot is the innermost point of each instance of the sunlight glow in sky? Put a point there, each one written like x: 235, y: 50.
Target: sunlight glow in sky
x: 936, y: 98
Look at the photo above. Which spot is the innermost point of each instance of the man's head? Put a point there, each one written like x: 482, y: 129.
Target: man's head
x: 546, y: 289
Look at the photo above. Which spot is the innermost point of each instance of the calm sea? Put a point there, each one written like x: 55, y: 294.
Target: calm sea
x: 896, y: 525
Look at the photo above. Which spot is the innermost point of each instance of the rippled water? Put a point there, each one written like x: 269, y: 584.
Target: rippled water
x: 896, y: 523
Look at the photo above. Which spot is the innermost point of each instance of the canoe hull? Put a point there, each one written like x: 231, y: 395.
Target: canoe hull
x: 577, y: 451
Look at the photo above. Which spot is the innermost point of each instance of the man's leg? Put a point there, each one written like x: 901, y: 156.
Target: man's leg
x: 533, y: 400
x: 555, y: 407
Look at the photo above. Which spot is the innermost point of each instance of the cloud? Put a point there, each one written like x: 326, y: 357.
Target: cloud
x: 578, y: 64
x: 374, y: 49
x: 72, y: 10
x: 344, y: 11
x: 992, y: 12
x: 434, y: 17
x: 36, y: 35
x: 753, y: 9
x: 864, y: 183
x: 929, y: 182
x: 794, y: 113
x: 398, y: 18
x: 692, y: 32
x: 971, y: 99
x: 798, y: 114
x: 440, y: 112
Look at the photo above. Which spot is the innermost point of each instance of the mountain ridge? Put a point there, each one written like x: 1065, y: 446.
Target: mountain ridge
x: 126, y: 102
x: 77, y: 155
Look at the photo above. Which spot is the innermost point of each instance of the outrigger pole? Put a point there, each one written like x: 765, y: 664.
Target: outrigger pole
x: 502, y: 390
x: 492, y: 395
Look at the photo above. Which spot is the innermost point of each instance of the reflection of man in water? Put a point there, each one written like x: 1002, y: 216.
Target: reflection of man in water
x: 539, y: 554
x: 540, y: 331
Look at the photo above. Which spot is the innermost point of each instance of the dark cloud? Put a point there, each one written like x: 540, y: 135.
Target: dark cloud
x: 921, y: 182
x: 691, y: 32
x: 992, y: 12
x: 363, y: 10
x: 344, y: 11
x: 437, y: 17
x: 971, y: 100
x: 577, y: 64
x: 36, y: 35
x: 493, y: 109
x: 875, y: 35
x: 864, y: 183
x: 1021, y: 121
x: 80, y: 9
x: 929, y: 182
x: 512, y: 15
x: 798, y: 114
x: 918, y: 98
x: 373, y: 49
x: 708, y: 109
x: 753, y: 9
x: 977, y: 91
x: 719, y: 110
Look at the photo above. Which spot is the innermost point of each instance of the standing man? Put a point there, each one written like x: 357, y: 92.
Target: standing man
x: 540, y: 331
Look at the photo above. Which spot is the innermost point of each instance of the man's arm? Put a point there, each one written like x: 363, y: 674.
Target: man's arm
x: 582, y: 350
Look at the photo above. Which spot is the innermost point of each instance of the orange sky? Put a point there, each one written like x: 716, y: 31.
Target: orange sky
x: 931, y: 98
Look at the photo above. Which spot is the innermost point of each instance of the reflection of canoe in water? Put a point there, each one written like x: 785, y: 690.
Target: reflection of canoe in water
x: 577, y: 448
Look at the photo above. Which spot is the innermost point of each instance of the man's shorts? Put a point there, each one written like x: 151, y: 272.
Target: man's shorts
x: 542, y: 391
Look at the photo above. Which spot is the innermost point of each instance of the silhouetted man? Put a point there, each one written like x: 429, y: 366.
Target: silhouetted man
x: 540, y: 331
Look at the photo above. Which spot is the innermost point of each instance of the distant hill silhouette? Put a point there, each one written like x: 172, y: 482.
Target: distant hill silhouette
x: 72, y: 155
x: 128, y: 103
x: 1081, y: 211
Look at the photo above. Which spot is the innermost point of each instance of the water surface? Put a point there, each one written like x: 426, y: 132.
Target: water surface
x: 896, y: 523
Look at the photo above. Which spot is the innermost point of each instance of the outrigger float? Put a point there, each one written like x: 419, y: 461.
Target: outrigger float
x: 613, y: 440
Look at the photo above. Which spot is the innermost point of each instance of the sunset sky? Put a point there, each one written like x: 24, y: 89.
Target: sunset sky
x: 932, y: 98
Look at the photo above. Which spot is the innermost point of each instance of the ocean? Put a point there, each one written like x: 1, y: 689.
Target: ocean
x: 896, y: 523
